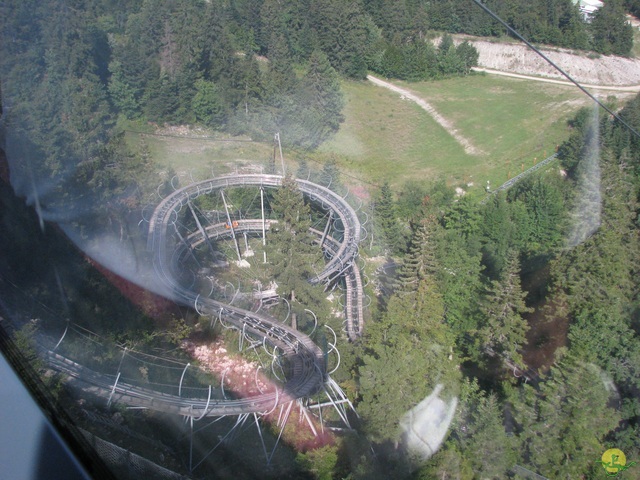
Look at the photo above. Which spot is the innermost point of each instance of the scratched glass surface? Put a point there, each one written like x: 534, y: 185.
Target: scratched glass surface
x: 322, y: 239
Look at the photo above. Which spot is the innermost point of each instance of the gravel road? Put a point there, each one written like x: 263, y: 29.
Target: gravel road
x: 602, y: 70
x: 519, y: 61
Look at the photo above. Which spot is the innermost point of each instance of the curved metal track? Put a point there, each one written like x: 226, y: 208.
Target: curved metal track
x: 342, y: 253
x: 304, y: 362
x: 351, y: 274
x: 172, y: 204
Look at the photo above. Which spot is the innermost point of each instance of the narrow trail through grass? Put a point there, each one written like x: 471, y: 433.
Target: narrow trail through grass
x: 468, y: 146
x: 469, y: 131
x: 511, y: 124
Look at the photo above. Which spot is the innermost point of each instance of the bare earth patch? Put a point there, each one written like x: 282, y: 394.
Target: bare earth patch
x: 243, y: 378
x: 517, y: 58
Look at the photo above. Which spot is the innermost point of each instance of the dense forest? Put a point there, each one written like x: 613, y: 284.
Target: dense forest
x: 257, y: 67
x: 462, y: 287
x: 478, y: 288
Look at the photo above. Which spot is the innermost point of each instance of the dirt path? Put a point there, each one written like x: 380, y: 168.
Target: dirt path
x: 443, y: 122
x: 584, y: 67
x: 616, y: 88
x: 601, y: 72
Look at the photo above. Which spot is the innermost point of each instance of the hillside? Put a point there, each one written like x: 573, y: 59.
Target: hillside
x: 583, y: 67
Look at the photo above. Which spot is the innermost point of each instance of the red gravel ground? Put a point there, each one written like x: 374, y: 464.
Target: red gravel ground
x: 243, y: 378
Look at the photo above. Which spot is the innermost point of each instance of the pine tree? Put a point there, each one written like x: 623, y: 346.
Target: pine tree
x: 447, y: 464
x: 245, y: 87
x: 544, y: 205
x: 396, y: 62
x: 485, y: 443
x: 386, y: 221
x: 420, y: 261
x: 330, y: 175
x: 446, y: 44
x: 449, y: 63
x: 320, y: 99
x: 612, y: 33
x: 207, y: 104
x: 213, y: 52
x: 339, y: 28
x: 291, y: 250
x: 562, y: 425
x: 478, y: 445
x: 408, y: 354
x: 497, y: 231
x: 459, y: 280
x: 124, y: 97
x: 503, y: 329
x: 280, y: 79
x: 303, y: 172
x: 289, y: 21
x: 468, y: 55
x: 464, y: 219
x: 598, y: 278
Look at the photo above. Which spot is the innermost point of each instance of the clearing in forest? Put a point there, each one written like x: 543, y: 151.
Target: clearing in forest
x: 512, y: 122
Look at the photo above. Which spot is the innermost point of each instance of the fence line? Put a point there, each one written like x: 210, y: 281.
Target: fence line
x: 526, y: 473
x: 509, y: 183
x: 122, y: 461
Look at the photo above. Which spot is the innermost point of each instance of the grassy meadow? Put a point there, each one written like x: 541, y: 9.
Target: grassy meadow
x: 512, y: 122
x: 203, y: 156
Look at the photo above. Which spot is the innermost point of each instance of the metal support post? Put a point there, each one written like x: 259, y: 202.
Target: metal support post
x: 282, y: 425
x: 113, y: 390
x: 305, y: 415
x: 280, y: 149
x: 230, y: 223
x: 182, y: 378
x: 326, y: 229
x: 264, y: 227
x: 191, y: 447
x: 264, y: 446
x: 186, y: 244
x: 202, y: 231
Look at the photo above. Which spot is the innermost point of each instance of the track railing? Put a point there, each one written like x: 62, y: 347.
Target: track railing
x: 304, y: 362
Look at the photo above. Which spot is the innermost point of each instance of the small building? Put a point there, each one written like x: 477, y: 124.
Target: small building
x: 588, y: 7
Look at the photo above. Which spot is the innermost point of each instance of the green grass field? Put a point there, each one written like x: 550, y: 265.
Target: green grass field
x: 512, y: 122
x: 204, y: 157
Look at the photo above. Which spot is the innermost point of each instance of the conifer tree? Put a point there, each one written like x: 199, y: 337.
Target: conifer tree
x: 303, y: 172
x: 385, y: 217
x: 497, y: 230
x: 320, y: 99
x: 563, y: 424
x: 503, y: 329
x: 485, y: 443
x: 207, y: 104
x: 280, y: 79
x: 459, y: 280
x: 330, y: 175
x: 420, y: 261
x: 612, y: 33
x: 408, y: 353
x: 468, y: 55
x: 291, y: 251
x: 340, y: 31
